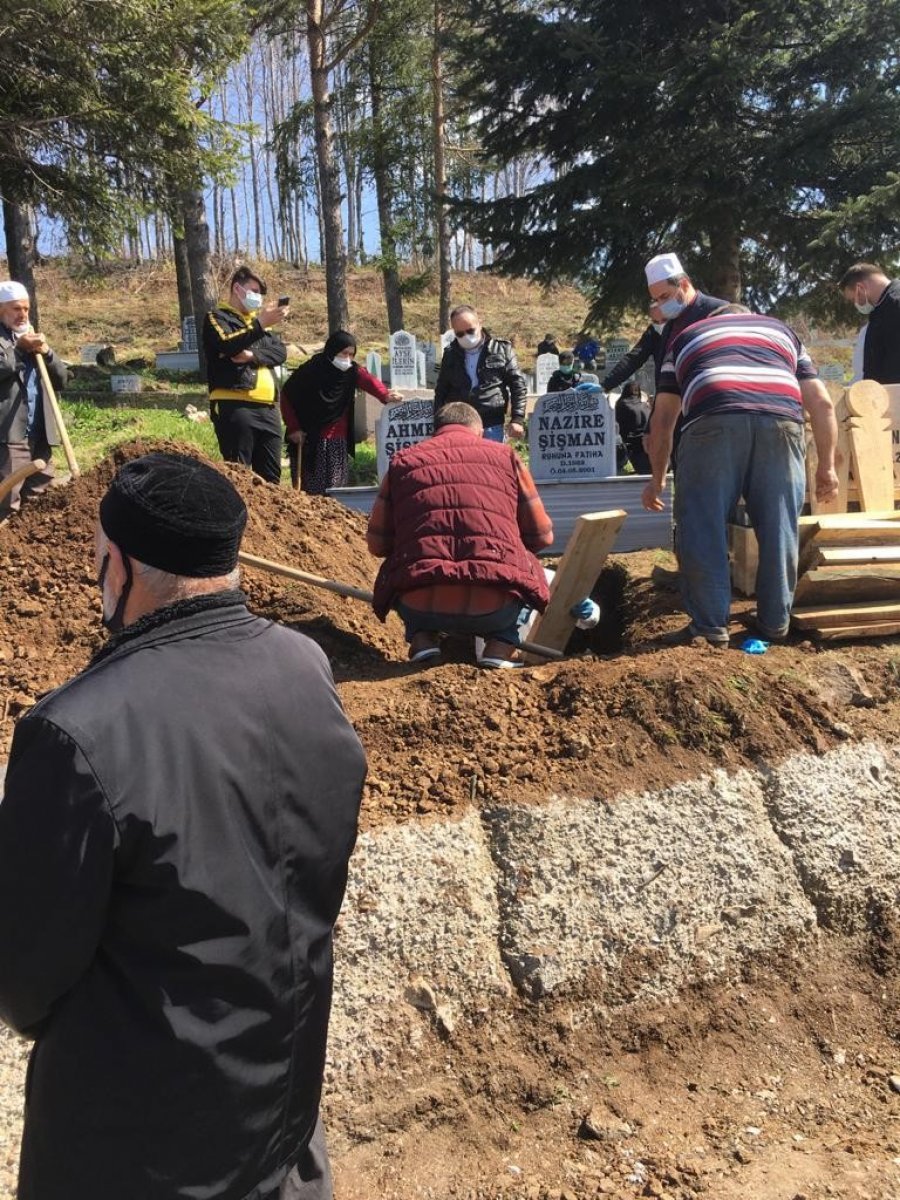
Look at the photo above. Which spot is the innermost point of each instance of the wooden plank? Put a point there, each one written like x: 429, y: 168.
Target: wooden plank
x: 855, y: 556
x: 592, y: 539
x: 848, y: 585
x: 877, y: 629
x: 869, y: 429
x: 833, y: 617
x: 893, y: 391
x: 744, y: 550
x: 831, y: 532
x: 841, y: 520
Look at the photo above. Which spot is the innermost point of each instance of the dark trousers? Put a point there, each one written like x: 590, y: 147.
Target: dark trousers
x: 250, y: 434
x: 14, y: 455
x: 310, y: 1179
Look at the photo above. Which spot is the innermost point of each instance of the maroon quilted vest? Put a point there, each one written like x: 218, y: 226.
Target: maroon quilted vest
x: 455, y: 498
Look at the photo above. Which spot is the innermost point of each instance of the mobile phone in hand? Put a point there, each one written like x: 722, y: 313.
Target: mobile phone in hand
x: 283, y: 301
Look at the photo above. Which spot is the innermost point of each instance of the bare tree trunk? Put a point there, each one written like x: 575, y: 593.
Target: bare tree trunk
x: 442, y: 224
x: 203, y: 284
x: 333, y: 253
x: 182, y: 278
x: 20, y: 252
x: 725, y: 256
x: 384, y: 195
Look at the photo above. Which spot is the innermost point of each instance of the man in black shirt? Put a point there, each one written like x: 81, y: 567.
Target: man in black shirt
x: 875, y: 296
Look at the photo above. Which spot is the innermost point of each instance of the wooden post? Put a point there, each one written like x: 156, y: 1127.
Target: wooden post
x: 588, y: 548
x: 50, y: 396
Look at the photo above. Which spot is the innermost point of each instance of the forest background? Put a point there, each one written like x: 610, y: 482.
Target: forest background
x: 560, y: 143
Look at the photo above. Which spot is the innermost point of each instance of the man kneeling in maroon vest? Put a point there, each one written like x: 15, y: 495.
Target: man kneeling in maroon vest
x: 458, y: 521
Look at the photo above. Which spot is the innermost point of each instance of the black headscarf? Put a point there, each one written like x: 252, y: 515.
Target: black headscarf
x: 318, y: 391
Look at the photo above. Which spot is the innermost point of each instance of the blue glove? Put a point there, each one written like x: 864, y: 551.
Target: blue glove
x: 586, y: 613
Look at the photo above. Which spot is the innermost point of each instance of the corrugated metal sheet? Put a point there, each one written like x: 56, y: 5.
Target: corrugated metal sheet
x: 565, y: 502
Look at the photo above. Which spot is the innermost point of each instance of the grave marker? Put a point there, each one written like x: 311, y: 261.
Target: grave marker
x: 126, y: 384
x: 373, y: 363
x: 615, y: 351
x: 189, y: 334
x: 422, y: 368
x: 831, y: 372
x: 572, y: 436
x: 400, y: 425
x: 91, y: 350
x: 544, y: 366
x: 404, y: 368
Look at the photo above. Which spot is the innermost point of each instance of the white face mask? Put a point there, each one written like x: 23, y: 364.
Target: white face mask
x: 469, y: 341
x: 865, y: 307
x: 342, y: 364
x: 253, y: 301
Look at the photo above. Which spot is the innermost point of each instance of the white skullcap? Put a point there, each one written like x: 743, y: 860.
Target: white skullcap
x: 662, y: 267
x: 11, y: 289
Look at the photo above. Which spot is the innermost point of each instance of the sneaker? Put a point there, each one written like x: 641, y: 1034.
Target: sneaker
x: 689, y: 635
x: 424, y: 648
x: 751, y: 620
x: 498, y: 656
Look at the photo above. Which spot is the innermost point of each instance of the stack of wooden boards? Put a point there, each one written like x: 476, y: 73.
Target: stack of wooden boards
x: 848, y: 582
x: 849, y: 566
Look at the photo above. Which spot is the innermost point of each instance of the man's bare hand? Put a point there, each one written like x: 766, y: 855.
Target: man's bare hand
x: 296, y: 437
x: 516, y: 430
x: 826, y: 483
x: 650, y: 498
x: 273, y: 315
x: 394, y: 396
x: 32, y: 343
x: 243, y: 356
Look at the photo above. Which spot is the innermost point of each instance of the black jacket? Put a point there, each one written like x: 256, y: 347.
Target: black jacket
x: 226, y: 332
x: 174, y: 841
x: 13, y: 394
x: 563, y: 383
x: 881, y: 353
x: 500, y: 382
x: 649, y: 343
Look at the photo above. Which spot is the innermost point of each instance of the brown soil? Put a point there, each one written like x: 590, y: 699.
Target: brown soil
x: 495, y: 1110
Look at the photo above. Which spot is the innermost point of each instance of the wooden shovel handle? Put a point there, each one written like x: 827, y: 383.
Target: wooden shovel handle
x: 50, y: 395
x: 11, y: 481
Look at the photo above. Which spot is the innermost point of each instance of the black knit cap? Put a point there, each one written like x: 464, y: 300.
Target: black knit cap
x: 175, y: 513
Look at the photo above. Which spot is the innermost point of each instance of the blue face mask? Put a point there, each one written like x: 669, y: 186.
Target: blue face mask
x: 671, y: 308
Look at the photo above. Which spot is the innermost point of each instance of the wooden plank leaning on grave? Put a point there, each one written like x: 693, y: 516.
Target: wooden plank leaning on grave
x: 588, y: 548
x: 848, y: 530
x: 853, y: 584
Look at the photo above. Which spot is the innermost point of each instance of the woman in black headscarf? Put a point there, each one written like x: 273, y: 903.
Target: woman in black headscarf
x: 317, y: 406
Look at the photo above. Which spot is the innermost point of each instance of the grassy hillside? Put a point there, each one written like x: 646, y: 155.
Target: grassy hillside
x: 134, y: 308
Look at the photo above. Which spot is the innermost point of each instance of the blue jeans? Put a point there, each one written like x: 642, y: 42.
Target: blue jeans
x: 721, y: 458
x: 503, y: 624
x: 494, y: 433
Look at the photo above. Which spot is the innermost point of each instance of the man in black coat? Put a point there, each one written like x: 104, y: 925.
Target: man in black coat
x: 482, y: 370
x: 174, y: 840
x: 875, y: 296
x: 27, y: 429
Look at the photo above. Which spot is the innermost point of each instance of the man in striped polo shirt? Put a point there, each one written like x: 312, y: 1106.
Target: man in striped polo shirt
x: 741, y: 382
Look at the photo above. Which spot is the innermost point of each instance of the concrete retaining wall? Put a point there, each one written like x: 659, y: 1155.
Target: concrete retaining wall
x: 646, y: 892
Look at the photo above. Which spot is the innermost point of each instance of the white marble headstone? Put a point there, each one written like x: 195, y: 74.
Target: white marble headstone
x: 422, y: 367
x: 90, y: 351
x: 373, y: 363
x: 616, y: 349
x: 400, y: 425
x: 446, y: 338
x: 404, y: 368
x: 572, y: 436
x: 544, y: 366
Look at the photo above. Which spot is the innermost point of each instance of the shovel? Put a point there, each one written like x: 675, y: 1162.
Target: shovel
x: 50, y: 395
x: 33, y: 468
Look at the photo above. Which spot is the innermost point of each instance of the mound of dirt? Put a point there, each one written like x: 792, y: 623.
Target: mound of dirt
x: 622, y: 714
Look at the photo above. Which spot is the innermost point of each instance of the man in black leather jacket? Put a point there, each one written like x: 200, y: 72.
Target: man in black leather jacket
x: 243, y: 395
x: 482, y: 370
x: 174, y: 839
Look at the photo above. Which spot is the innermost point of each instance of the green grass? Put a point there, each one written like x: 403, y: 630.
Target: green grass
x: 95, y: 431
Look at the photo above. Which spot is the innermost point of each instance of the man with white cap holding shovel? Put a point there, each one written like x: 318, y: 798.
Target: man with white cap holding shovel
x: 27, y: 428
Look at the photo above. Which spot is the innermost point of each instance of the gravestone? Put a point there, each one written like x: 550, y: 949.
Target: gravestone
x: 431, y: 352
x: 572, y: 436
x: 189, y: 334
x: 404, y: 368
x: 400, y: 425
x: 91, y: 350
x: 646, y: 377
x: 446, y: 338
x: 544, y: 366
x: 590, y: 377
x: 126, y: 384
x: 422, y: 367
x: 616, y: 350
x: 831, y: 372
x: 373, y: 363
